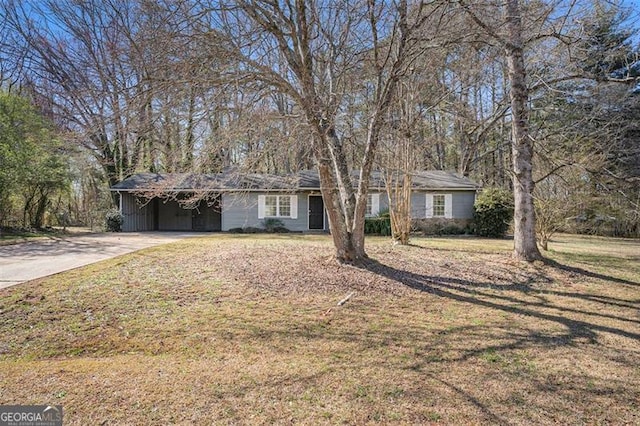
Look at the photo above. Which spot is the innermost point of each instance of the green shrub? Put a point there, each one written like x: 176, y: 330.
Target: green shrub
x: 280, y: 230
x: 114, y: 221
x: 272, y: 224
x: 272, y: 228
x: 493, y: 211
x: 252, y: 230
x: 452, y: 230
x: 377, y: 226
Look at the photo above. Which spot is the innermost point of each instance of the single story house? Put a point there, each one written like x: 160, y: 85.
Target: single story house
x: 224, y: 201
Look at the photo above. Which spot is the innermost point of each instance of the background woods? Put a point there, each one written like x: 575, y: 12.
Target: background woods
x: 94, y: 91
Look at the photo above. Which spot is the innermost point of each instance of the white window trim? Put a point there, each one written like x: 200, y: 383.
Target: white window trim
x: 444, y: 205
x: 375, y: 204
x: 293, y: 206
x: 448, y: 206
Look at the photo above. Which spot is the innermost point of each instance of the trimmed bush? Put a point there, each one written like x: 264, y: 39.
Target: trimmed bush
x: 252, y: 230
x: 493, y: 212
x: 442, y: 226
x: 378, y: 226
x: 452, y: 230
x: 273, y: 228
x: 272, y: 225
x: 114, y: 221
x: 280, y: 230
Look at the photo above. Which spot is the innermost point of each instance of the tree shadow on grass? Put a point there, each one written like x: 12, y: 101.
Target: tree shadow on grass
x: 586, y: 273
x: 549, y: 262
x: 487, y: 295
x: 489, y: 415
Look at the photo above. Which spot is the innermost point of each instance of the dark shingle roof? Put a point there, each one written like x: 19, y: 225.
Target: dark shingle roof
x: 204, y: 182
x: 306, y: 180
x: 426, y: 180
x: 439, y: 179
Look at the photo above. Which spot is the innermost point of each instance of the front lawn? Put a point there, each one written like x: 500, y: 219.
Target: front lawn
x: 237, y: 329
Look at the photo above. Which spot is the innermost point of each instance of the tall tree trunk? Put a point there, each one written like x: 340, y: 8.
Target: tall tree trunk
x: 41, y: 208
x: 339, y: 199
x: 187, y: 156
x: 308, y: 43
x: 346, y: 251
x: 525, y: 247
x: 398, y: 183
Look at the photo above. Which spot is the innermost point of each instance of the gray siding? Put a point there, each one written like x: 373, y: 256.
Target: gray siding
x: 462, y: 203
x: 240, y: 210
x: 136, y: 216
x: 418, y: 203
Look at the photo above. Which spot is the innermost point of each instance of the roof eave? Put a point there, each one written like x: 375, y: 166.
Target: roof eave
x: 274, y: 189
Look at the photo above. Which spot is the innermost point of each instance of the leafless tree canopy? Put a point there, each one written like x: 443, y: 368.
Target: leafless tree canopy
x: 509, y: 93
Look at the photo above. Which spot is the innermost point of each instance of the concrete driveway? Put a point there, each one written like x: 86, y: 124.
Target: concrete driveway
x: 38, y: 258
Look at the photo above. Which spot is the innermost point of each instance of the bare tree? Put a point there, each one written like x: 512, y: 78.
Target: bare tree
x: 512, y: 41
x: 324, y: 44
x: 398, y: 185
x: 116, y: 78
x: 400, y: 154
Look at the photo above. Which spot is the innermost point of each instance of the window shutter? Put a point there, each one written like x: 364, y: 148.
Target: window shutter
x: 375, y: 204
x: 448, y: 206
x: 429, y: 206
x: 294, y: 206
x: 260, y: 206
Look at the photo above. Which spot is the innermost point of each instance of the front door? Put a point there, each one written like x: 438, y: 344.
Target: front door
x: 199, y: 218
x: 206, y: 217
x: 156, y: 214
x: 316, y: 212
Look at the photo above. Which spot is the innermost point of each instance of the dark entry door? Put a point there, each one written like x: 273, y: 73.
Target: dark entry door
x: 206, y: 216
x: 316, y: 212
x: 199, y: 219
x: 156, y: 214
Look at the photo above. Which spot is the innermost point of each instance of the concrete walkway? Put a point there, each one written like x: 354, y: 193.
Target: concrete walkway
x: 29, y: 260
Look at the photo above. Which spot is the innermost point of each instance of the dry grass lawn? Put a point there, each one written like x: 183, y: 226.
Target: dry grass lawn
x: 246, y: 330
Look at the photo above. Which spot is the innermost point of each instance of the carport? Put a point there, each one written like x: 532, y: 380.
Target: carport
x: 171, y: 214
x: 153, y: 202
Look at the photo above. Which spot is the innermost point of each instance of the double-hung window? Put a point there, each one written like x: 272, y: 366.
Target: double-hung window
x: 270, y: 205
x: 284, y: 206
x: 277, y: 206
x: 439, y: 205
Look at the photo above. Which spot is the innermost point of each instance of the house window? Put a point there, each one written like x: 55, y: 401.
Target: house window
x: 277, y: 206
x: 271, y: 205
x: 284, y: 206
x: 438, y: 205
